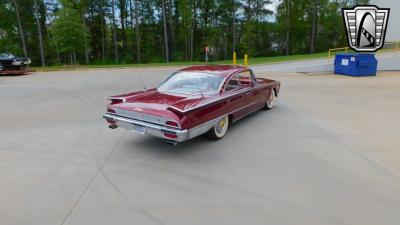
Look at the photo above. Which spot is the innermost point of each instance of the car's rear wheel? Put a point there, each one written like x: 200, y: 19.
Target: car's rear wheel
x: 220, y: 129
x: 271, y: 100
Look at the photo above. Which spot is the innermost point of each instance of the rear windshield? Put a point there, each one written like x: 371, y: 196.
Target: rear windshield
x: 192, y: 83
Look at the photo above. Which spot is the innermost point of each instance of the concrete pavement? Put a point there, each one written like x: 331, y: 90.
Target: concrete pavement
x: 386, y: 61
x: 328, y: 153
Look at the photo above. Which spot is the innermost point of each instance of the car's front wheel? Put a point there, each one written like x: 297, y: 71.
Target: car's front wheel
x: 271, y: 100
x: 220, y: 129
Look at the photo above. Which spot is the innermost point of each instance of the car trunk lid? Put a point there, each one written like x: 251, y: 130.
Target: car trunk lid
x: 155, y: 103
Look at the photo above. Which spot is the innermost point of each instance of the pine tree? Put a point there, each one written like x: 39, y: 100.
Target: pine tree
x: 70, y: 35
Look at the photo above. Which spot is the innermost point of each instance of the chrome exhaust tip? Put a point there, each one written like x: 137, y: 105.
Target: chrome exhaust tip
x: 112, y: 126
x: 174, y: 143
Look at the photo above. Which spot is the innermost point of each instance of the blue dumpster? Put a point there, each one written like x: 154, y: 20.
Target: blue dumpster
x: 357, y: 65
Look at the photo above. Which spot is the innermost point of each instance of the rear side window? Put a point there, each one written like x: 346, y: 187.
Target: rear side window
x: 192, y: 83
x: 233, y: 83
x: 246, y: 78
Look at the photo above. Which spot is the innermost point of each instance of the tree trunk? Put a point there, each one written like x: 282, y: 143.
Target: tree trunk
x: 86, y: 44
x: 21, y: 31
x: 314, y: 27
x: 138, y: 36
x: 114, y: 32
x: 288, y: 27
x: 39, y: 27
x: 225, y: 44
x: 171, y: 30
x: 234, y: 27
x: 131, y: 13
x: 162, y: 45
x: 122, y: 12
x: 192, y: 31
x: 74, y: 55
x: 103, y: 32
x: 165, y: 31
x: 49, y: 35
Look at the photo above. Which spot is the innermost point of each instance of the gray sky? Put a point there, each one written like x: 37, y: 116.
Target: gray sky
x: 273, y: 6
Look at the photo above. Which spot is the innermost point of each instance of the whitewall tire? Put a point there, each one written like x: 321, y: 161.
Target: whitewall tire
x: 220, y: 129
x: 271, y: 100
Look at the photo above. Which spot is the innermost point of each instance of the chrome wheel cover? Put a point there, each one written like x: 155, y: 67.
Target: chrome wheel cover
x: 271, y: 100
x: 221, y: 127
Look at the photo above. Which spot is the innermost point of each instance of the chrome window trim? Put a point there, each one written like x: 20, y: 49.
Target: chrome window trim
x: 215, y: 74
x: 228, y: 80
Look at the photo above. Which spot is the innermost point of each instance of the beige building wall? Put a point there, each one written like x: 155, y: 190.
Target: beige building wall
x: 393, y: 30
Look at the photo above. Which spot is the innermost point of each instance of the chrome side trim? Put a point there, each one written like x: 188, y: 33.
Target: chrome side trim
x: 220, y: 99
x: 203, y: 128
x: 238, y: 118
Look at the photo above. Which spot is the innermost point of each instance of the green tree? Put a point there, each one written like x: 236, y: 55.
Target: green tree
x: 70, y: 35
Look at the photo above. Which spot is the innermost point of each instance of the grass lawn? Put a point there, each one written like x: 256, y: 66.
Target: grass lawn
x: 252, y: 61
x: 276, y: 59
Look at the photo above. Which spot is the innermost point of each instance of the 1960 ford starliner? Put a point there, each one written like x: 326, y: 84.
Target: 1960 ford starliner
x: 193, y: 101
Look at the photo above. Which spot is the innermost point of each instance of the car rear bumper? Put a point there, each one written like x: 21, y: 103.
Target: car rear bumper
x: 150, y: 128
x: 13, y: 72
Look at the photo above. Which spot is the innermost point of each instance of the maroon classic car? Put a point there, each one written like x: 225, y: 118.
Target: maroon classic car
x: 193, y: 101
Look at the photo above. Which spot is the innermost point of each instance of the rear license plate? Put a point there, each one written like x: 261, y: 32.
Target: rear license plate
x: 139, y: 129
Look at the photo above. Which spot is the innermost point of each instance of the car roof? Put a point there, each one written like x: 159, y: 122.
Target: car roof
x: 222, y: 70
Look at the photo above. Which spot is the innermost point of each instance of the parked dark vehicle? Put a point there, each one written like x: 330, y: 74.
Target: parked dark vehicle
x: 9, y: 64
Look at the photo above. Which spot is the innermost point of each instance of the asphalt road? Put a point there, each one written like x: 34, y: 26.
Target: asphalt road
x: 328, y: 153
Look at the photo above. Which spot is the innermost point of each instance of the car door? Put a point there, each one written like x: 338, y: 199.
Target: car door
x: 236, y: 97
x: 255, y: 94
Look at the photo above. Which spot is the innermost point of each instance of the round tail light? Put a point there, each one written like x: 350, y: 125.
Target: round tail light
x: 116, y: 101
x: 110, y: 121
x: 169, y: 135
x: 172, y: 124
x: 110, y: 110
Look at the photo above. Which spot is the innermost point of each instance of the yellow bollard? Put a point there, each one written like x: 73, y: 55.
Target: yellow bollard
x: 234, y: 58
x: 246, y: 62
